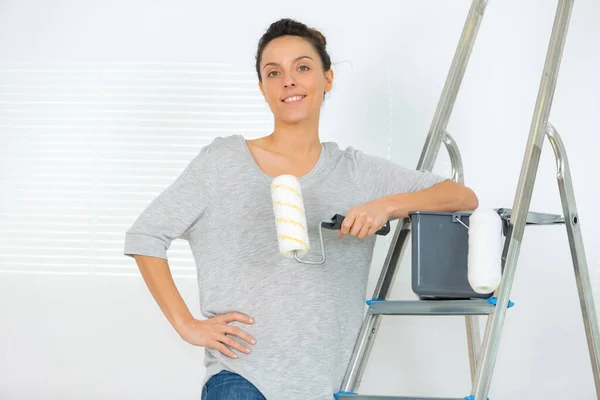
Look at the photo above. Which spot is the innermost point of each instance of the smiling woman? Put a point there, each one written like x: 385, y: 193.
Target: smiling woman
x: 294, y: 67
x: 294, y: 74
x: 274, y: 328
x: 294, y: 85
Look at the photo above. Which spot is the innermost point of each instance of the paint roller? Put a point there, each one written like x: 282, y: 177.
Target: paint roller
x: 290, y: 220
x: 485, y: 243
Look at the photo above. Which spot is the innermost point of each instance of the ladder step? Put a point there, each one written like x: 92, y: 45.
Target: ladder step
x: 431, y: 307
x: 534, y: 218
x: 350, y: 396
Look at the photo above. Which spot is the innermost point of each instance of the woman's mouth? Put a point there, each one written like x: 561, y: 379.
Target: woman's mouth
x: 293, y: 99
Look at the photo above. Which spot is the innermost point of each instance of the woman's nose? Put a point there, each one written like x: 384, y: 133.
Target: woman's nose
x: 289, y: 81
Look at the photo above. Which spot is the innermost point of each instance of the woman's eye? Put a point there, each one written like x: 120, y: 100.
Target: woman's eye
x: 305, y: 66
x: 271, y: 73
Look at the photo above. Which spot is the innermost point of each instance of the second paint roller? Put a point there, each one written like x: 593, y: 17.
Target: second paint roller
x: 485, y: 250
x: 291, y: 221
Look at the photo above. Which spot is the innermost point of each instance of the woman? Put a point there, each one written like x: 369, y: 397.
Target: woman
x: 275, y: 328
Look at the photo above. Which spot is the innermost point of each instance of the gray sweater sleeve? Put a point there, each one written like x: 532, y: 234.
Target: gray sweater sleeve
x: 175, y: 211
x: 378, y: 177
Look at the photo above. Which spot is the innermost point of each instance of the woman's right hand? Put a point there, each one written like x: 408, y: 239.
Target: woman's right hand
x: 214, y: 333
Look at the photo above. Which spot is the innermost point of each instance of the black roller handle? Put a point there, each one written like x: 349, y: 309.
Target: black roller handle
x: 337, y: 220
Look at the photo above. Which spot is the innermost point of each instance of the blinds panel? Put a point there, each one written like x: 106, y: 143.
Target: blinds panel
x: 87, y: 146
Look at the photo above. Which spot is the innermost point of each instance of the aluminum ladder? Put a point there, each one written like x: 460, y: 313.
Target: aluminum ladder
x: 482, y: 356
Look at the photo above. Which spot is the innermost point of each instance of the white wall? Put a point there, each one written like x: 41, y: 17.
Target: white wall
x: 92, y: 94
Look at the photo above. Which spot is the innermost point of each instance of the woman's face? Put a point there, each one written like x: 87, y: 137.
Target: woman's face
x: 293, y: 81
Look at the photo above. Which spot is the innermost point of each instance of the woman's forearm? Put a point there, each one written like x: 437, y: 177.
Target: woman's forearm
x: 445, y: 196
x: 158, y: 278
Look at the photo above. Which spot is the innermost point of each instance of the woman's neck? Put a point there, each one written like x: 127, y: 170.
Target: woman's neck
x: 295, y: 140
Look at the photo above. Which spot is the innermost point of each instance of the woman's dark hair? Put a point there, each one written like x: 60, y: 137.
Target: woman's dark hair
x: 290, y: 27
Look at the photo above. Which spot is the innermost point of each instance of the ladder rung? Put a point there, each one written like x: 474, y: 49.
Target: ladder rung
x: 431, y: 307
x: 368, y: 397
x: 534, y: 218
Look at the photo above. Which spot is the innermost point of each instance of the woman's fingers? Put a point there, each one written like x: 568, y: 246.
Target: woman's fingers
x: 235, y: 331
x: 361, y: 227
x: 236, y: 316
x: 231, y: 342
x: 359, y: 222
x: 373, y: 229
x: 364, y: 220
x: 364, y: 231
x: 347, y: 224
x: 223, y: 349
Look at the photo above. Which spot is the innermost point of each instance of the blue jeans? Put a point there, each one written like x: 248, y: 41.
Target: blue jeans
x: 230, y: 386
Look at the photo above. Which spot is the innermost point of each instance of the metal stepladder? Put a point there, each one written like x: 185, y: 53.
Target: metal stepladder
x: 482, y: 356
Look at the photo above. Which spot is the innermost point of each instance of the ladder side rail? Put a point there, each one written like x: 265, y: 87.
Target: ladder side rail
x: 371, y: 323
x: 471, y: 321
x: 580, y: 265
x: 522, y: 198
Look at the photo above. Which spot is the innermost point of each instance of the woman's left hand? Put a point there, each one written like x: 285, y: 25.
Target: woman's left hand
x: 364, y: 220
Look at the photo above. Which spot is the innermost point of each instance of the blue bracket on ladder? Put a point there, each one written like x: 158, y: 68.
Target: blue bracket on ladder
x: 374, y: 299
x: 494, y: 301
x: 336, y: 395
x: 472, y: 397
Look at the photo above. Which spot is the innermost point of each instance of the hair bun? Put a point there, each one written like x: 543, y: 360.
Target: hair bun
x: 320, y: 36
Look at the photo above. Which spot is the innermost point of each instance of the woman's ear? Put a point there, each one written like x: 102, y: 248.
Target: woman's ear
x: 328, y: 80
